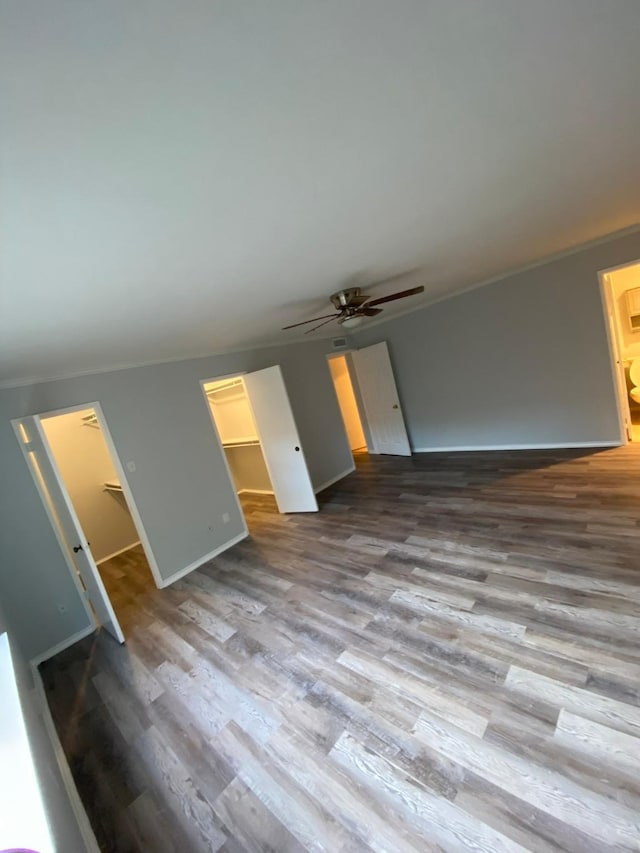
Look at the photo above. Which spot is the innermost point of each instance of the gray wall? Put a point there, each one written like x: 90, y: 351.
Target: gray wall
x: 520, y: 362
x: 158, y: 418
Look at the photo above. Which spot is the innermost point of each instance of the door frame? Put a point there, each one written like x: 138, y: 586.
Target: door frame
x: 16, y: 423
x: 212, y: 421
x: 122, y: 476
x: 356, y: 393
x: 241, y: 374
x: 609, y: 308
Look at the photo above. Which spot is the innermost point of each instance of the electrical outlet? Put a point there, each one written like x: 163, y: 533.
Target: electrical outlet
x: 226, y: 518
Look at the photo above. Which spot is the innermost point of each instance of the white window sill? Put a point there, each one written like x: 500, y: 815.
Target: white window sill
x: 23, y: 820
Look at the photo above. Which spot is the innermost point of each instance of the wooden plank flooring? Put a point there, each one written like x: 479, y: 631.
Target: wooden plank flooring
x: 445, y: 657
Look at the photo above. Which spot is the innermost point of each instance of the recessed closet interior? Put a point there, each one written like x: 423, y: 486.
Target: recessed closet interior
x: 347, y: 402
x: 234, y: 420
x: 83, y: 459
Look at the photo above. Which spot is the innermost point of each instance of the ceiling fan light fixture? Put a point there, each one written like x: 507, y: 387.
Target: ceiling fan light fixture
x: 351, y: 322
x: 352, y: 307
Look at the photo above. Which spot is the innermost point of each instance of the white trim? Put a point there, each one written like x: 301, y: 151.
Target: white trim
x: 214, y: 425
x: 117, y: 553
x: 619, y: 267
x: 491, y: 447
x: 256, y: 492
x: 82, y: 407
x: 116, y: 368
x: 128, y: 495
x: 548, y: 259
x: 63, y: 644
x: 335, y: 479
x: 268, y: 343
x: 77, y: 807
x: 607, y: 300
x: 339, y: 353
x: 15, y: 423
x: 202, y: 560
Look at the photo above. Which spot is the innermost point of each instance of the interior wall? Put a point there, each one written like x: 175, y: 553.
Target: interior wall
x: 621, y: 281
x: 347, y: 402
x: 248, y: 469
x: 521, y: 362
x: 158, y: 419
x: 83, y: 459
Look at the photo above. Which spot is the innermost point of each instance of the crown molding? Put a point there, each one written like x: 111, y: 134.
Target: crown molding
x: 272, y: 343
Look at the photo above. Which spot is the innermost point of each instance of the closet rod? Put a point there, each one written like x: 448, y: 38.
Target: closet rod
x: 234, y: 383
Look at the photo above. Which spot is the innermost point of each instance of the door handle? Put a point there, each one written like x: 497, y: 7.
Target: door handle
x: 77, y: 548
x: 395, y: 406
x: 296, y: 448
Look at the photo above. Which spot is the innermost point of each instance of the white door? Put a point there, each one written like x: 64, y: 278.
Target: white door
x: 280, y: 442
x: 621, y: 380
x: 63, y: 515
x: 380, y: 397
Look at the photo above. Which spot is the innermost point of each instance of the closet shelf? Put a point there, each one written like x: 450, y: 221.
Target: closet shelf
x: 228, y: 386
x: 243, y: 442
x: 113, y: 486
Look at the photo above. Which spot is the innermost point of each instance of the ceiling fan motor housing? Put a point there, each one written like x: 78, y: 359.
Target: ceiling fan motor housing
x: 349, y: 298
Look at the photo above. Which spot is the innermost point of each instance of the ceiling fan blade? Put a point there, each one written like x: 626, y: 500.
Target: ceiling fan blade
x: 370, y: 312
x: 333, y: 317
x: 392, y: 296
x: 313, y: 320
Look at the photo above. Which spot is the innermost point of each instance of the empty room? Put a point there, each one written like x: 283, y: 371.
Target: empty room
x: 319, y: 426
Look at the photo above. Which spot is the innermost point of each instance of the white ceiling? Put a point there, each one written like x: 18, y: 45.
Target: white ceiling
x: 185, y: 177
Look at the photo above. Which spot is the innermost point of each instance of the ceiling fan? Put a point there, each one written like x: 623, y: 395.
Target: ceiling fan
x: 353, y: 306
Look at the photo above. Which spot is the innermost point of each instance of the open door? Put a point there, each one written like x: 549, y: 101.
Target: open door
x: 377, y: 386
x: 63, y: 516
x: 280, y: 442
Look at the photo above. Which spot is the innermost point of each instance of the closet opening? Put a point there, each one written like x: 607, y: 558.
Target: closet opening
x: 254, y: 423
x: 348, y: 403
x: 368, y: 398
x: 83, y: 487
x: 621, y: 297
x: 232, y: 415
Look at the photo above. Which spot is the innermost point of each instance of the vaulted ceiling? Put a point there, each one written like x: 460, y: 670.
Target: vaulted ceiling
x: 184, y: 177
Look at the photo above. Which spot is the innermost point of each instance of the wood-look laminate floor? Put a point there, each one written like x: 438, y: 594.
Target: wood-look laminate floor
x: 446, y: 657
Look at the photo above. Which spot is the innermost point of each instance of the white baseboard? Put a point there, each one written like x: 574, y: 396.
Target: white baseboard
x: 335, y: 479
x: 77, y: 807
x: 255, y: 491
x: 200, y: 562
x: 569, y: 445
x: 64, y: 644
x: 117, y: 553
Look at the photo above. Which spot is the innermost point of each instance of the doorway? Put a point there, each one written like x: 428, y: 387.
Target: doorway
x: 82, y: 484
x: 348, y: 403
x: 621, y: 296
x: 256, y: 430
x: 369, y: 374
